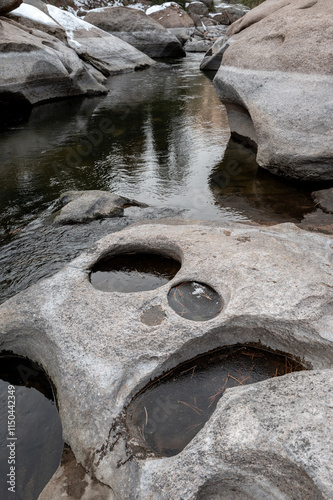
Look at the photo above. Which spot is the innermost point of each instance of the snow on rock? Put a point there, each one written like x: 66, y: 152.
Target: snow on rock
x: 157, y: 8
x: 138, y: 6
x: 31, y: 12
x: 67, y: 20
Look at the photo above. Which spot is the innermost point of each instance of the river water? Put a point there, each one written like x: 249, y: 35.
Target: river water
x: 160, y: 136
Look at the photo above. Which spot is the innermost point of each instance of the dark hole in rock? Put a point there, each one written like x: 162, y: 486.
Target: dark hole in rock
x: 166, y: 415
x: 133, y: 272
x: 195, y: 301
x: 30, y: 429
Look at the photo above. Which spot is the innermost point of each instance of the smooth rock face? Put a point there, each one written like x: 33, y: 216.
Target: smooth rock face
x: 107, y: 53
x: 84, y: 206
x: 137, y: 29
x: 170, y: 16
x: 9, y: 5
x: 37, y: 67
x: 198, y: 8
x: 278, y: 67
x: 270, y: 440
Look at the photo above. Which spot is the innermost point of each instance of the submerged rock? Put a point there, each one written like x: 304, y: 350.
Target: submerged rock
x: 276, y: 82
x: 267, y: 440
x: 83, y: 206
x: 137, y: 29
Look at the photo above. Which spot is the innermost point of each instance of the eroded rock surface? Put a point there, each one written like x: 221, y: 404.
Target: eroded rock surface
x: 137, y: 29
x: 276, y: 81
x: 268, y: 440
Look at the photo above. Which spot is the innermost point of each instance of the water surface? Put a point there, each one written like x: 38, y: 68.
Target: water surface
x: 160, y: 136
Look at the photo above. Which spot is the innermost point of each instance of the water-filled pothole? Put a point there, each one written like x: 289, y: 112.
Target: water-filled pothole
x: 195, y: 301
x: 133, y: 272
x: 166, y: 415
x: 30, y: 429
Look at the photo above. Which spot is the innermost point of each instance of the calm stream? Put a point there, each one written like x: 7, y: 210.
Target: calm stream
x: 160, y: 136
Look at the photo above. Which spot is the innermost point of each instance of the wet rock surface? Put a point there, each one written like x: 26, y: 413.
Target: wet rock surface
x: 137, y: 29
x: 267, y: 440
x: 277, y: 72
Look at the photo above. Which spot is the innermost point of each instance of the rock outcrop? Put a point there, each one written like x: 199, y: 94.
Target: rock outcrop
x: 107, y: 53
x: 137, y: 29
x: 47, y: 53
x: 83, y: 206
x: 37, y: 67
x: 267, y: 440
x: 276, y: 81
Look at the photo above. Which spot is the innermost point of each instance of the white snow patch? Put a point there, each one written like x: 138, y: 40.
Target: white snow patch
x: 158, y: 8
x: 138, y: 6
x: 69, y: 22
x: 34, y: 14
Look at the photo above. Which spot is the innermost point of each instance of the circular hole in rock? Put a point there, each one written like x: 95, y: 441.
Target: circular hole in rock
x: 195, y: 301
x: 166, y: 415
x: 30, y: 429
x: 133, y: 272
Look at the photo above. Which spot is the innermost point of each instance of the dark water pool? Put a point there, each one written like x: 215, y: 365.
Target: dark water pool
x: 169, y: 412
x: 133, y: 272
x: 32, y: 445
x: 160, y: 136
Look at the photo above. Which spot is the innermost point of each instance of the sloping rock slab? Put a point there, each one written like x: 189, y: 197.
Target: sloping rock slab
x: 266, y: 441
x: 107, y: 53
x: 37, y: 67
x: 32, y: 17
x: 324, y: 198
x: 137, y: 29
x: 84, y: 206
x: 278, y: 70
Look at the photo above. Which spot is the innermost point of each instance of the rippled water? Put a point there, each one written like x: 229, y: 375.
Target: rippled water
x: 159, y: 136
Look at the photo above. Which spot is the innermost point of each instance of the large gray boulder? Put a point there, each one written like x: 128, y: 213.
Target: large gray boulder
x: 37, y: 67
x: 9, y: 5
x: 270, y: 440
x: 170, y: 15
x: 276, y: 82
x: 137, y: 29
x: 107, y: 53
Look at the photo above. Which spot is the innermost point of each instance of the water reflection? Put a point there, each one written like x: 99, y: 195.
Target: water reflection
x: 240, y: 184
x: 34, y: 435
